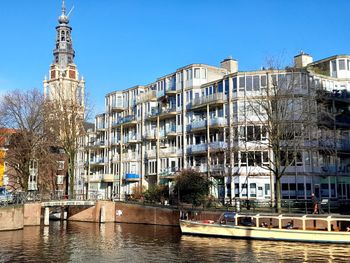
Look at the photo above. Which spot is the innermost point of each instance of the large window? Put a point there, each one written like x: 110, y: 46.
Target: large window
x: 342, y: 65
x: 334, y: 65
x: 249, y: 83
x: 256, y: 83
x: 234, y: 80
x: 197, y: 73
x: 241, y: 83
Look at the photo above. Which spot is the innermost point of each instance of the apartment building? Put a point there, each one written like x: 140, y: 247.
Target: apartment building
x: 211, y: 119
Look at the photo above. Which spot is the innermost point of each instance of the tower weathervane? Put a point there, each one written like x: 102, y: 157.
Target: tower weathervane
x: 63, y: 8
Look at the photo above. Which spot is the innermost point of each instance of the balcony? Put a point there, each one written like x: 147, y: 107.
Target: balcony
x: 131, y: 138
x: 151, y: 154
x: 169, y: 151
x: 198, y: 125
x: 150, y: 135
x: 199, y: 148
x: 201, y: 168
x: 163, y: 113
x: 170, y: 130
x: 169, y: 172
x: 149, y: 96
x: 118, y: 107
x: 212, y: 99
x: 97, y: 144
x: 129, y: 120
x: 95, y: 178
x: 97, y: 162
x: 171, y: 90
x: 218, y: 146
x: 218, y: 122
x: 218, y: 169
x: 131, y: 156
x: 101, y: 127
x: 108, y: 178
x: 115, y: 141
x: 132, y: 177
x: 160, y: 93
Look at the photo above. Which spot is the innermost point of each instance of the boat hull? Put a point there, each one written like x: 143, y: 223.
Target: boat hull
x: 199, y: 228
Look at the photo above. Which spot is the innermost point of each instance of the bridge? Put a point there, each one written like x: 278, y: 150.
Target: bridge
x: 68, y: 203
x: 63, y: 204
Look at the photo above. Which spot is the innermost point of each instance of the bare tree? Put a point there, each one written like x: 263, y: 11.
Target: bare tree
x: 64, y: 115
x: 275, y: 121
x: 22, y: 111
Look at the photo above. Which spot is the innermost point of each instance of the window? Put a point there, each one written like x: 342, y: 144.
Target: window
x: 243, y: 159
x: 256, y: 83
x: 342, y: 65
x: 250, y: 133
x: 334, y: 65
x: 60, y: 179
x: 263, y: 81
x: 197, y: 73
x: 244, y: 189
x: 249, y: 83
x: 236, y: 190
x: 348, y: 64
x: 234, y: 80
x: 241, y: 83
x: 250, y: 158
x: 252, y: 189
x: 60, y: 165
x: 204, y: 73
x: 189, y: 74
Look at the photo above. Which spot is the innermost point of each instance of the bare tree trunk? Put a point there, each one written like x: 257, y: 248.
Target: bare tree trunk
x: 278, y: 195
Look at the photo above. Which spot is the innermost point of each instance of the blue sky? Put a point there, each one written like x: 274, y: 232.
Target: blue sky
x: 120, y: 44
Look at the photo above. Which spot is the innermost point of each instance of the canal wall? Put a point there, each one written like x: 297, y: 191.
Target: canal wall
x: 141, y: 214
x: 103, y: 211
x: 11, y: 218
x: 15, y: 217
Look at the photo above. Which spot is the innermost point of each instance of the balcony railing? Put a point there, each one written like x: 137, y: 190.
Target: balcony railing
x: 218, y: 121
x: 170, y: 171
x: 216, y: 97
x: 151, y: 153
x: 126, y: 119
x: 150, y: 134
x: 199, y: 124
x: 146, y: 96
x: 132, y: 177
x: 218, y: 145
x: 130, y: 156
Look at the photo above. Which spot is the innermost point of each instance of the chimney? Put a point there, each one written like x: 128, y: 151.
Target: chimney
x: 302, y: 60
x: 230, y: 64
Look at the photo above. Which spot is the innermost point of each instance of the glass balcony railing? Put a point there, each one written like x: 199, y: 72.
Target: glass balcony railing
x: 216, y: 97
x: 160, y: 93
x: 198, y: 124
x: 132, y: 176
x: 218, y: 121
x: 218, y: 145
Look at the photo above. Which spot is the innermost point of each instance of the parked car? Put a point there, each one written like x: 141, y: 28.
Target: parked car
x: 5, y: 196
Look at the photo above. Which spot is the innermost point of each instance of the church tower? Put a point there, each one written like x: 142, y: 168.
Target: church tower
x: 64, y: 81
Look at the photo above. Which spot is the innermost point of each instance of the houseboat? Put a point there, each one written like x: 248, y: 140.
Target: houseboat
x: 304, y: 228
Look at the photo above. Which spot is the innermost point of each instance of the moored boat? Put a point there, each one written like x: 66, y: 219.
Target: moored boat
x: 306, y: 228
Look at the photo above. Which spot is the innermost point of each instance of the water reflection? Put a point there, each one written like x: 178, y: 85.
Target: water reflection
x: 89, y: 242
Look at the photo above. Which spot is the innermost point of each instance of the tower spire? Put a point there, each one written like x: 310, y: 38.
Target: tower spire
x: 64, y: 52
x: 63, y: 8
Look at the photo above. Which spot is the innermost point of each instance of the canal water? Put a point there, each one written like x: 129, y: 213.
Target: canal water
x: 90, y: 242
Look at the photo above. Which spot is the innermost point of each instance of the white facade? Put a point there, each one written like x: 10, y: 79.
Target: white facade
x: 203, y: 117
